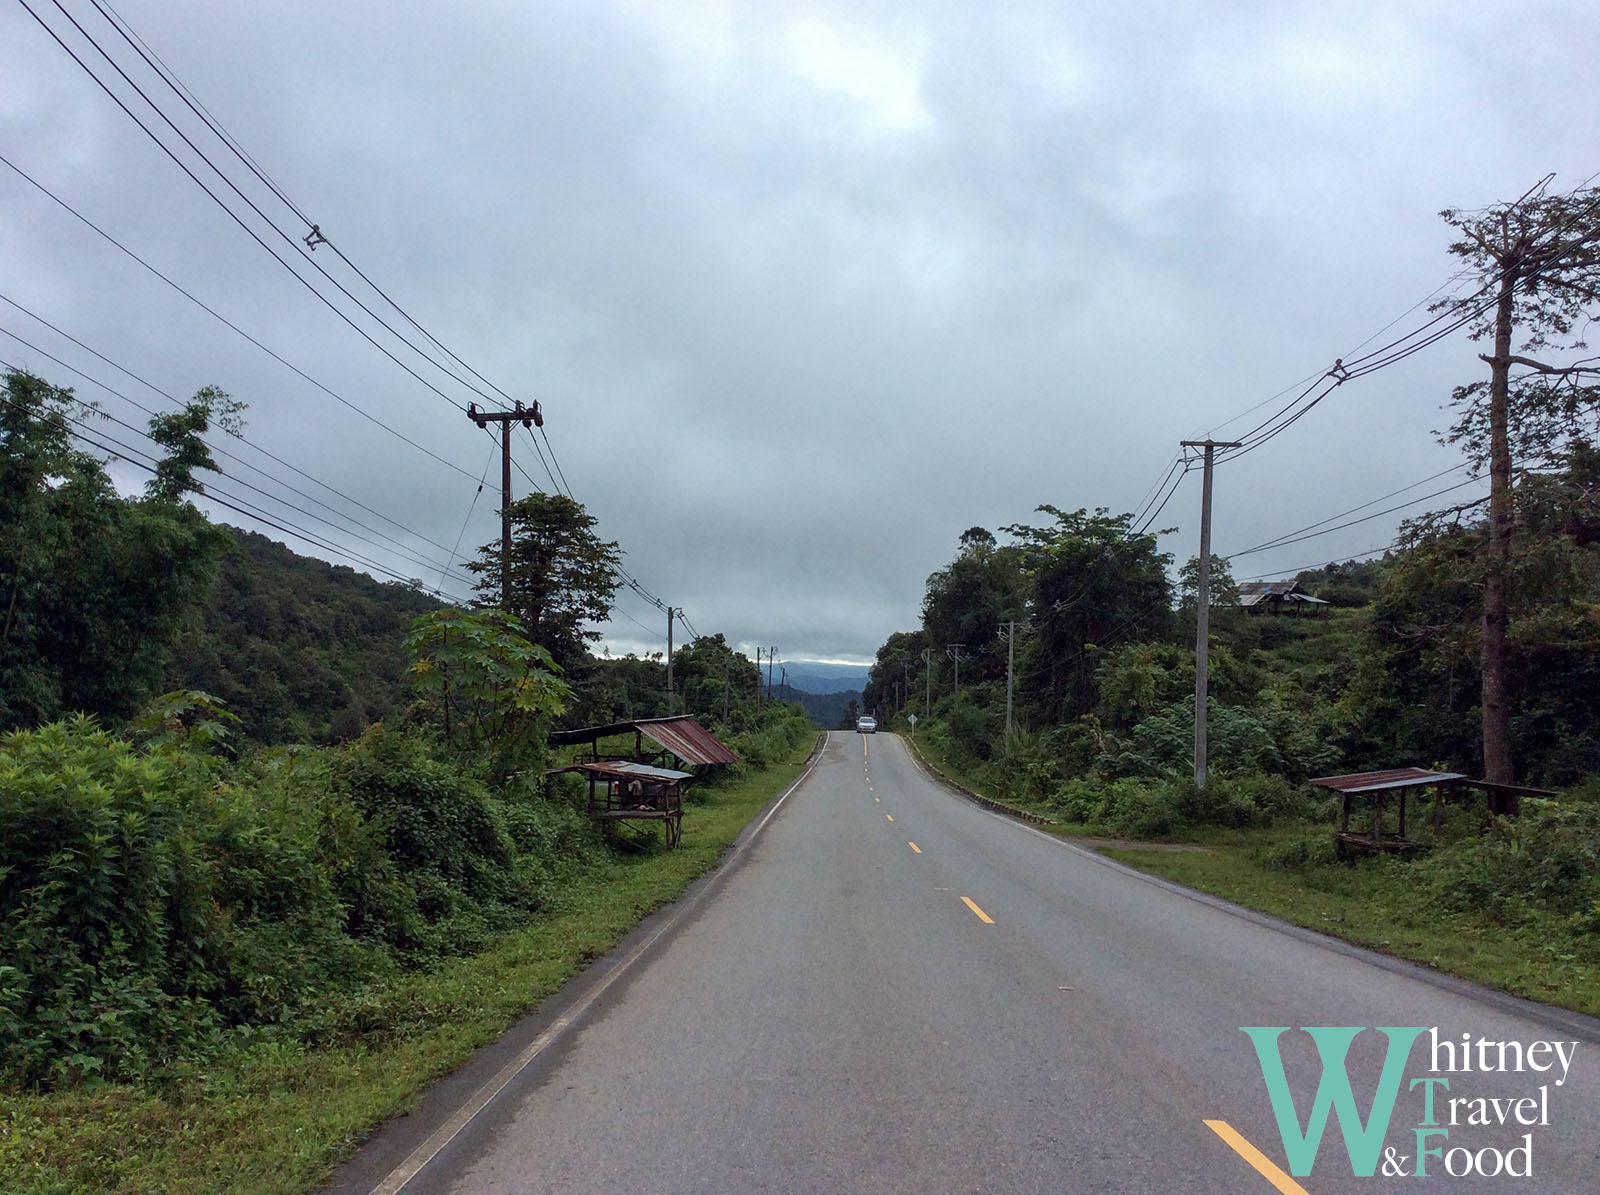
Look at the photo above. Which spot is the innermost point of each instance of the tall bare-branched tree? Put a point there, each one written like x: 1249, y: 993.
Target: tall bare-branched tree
x: 1538, y: 262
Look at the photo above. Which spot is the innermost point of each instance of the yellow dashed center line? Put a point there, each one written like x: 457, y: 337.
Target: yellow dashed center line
x: 890, y: 816
x: 981, y: 915
x: 914, y: 847
x: 1263, y: 1165
x: 879, y: 800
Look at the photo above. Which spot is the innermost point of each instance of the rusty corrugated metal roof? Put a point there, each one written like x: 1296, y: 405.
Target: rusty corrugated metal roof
x: 1366, y: 782
x: 681, y: 735
x: 687, y: 739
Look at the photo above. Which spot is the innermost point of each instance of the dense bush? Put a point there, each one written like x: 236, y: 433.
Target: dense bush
x: 774, y: 734
x: 1267, y: 738
x: 1027, y: 766
x: 157, y: 903
x: 147, y: 904
x: 1134, y: 807
x: 1543, y: 859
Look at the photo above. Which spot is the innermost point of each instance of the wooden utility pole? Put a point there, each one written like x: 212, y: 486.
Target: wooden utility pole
x: 1202, y: 612
x: 528, y: 417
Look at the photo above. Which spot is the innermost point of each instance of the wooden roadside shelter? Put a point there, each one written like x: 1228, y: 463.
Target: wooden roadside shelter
x: 623, y: 791
x: 648, y: 786
x: 1377, y: 786
x: 678, y: 738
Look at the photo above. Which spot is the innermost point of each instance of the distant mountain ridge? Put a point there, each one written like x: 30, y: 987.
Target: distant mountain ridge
x: 825, y: 709
x: 815, y: 676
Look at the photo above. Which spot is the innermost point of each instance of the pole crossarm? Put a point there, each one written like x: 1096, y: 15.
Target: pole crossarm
x: 529, y: 417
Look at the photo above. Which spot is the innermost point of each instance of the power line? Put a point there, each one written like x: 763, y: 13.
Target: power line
x: 559, y: 470
x: 1289, y: 572
x: 1154, y: 491
x: 1283, y: 543
x: 1297, y: 535
x: 315, y: 238
x: 487, y: 465
x: 389, y: 539
x: 237, y: 219
x: 129, y: 33
x: 400, y: 549
x: 222, y: 319
x: 1156, y: 513
x: 1452, y: 317
x: 129, y: 454
x: 177, y: 403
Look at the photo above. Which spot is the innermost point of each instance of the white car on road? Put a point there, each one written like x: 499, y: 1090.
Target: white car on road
x: 866, y: 725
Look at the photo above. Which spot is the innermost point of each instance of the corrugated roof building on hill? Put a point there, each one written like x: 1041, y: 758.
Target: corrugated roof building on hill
x: 1276, y: 597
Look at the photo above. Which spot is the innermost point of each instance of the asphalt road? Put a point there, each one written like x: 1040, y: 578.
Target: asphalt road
x: 896, y: 991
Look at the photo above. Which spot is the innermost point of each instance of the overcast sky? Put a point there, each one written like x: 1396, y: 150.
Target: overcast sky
x: 805, y: 290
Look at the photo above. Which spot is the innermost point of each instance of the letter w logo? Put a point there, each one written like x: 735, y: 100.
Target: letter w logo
x: 1362, y: 1142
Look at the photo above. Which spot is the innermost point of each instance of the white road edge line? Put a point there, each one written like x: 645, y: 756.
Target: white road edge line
x: 464, y: 1115
x: 1560, y: 1019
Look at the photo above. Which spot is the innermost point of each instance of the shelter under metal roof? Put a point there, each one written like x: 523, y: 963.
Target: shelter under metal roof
x: 680, y: 735
x: 1391, y: 778
x: 626, y: 767
x: 1275, y: 593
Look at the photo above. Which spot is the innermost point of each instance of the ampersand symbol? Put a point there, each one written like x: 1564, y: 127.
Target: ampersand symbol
x: 1394, y: 1165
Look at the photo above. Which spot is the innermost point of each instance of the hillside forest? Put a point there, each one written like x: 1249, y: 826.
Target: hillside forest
x: 244, y: 794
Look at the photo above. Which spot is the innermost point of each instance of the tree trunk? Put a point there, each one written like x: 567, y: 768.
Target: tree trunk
x: 1495, y: 703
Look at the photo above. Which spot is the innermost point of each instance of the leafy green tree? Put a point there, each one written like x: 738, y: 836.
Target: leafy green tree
x: 1423, y: 695
x: 488, y: 686
x: 966, y: 601
x: 562, y: 575
x: 94, y: 586
x: 1095, y: 584
x: 899, y: 659
x: 1539, y: 257
x: 700, y: 670
x: 179, y: 433
x: 1224, y: 589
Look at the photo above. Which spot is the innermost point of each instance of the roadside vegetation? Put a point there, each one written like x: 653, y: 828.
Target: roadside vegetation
x: 227, y: 952
x: 1469, y: 646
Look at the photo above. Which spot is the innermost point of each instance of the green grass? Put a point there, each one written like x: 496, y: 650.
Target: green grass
x: 278, y: 1118
x: 1375, y: 903
x: 1369, y: 902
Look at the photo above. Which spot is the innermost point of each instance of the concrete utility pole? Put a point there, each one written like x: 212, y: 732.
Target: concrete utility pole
x: 528, y: 417
x: 953, y: 650
x: 1202, y: 611
x: 927, y: 675
x: 772, y: 654
x: 726, y: 660
x: 1010, y: 634
x: 758, y: 678
x: 670, y: 613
